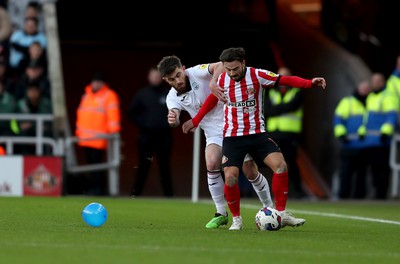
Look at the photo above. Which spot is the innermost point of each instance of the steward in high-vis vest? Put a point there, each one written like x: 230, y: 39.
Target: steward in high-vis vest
x: 348, y: 118
x: 98, y: 114
x: 287, y: 112
x: 284, y: 120
x: 393, y: 82
x: 379, y: 126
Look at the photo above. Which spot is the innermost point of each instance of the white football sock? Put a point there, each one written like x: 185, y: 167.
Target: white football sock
x: 261, y: 186
x: 216, y: 187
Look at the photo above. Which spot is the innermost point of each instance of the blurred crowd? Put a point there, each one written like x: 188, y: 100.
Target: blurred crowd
x: 24, y: 83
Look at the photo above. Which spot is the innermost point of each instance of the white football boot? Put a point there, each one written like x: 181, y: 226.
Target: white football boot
x: 289, y: 220
x: 237, y: 223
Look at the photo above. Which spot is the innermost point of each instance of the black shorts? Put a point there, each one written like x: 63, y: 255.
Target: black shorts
x: 234, y: 149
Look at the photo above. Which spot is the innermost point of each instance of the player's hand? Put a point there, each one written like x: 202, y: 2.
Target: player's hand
x: 217, y: 91
x: 172, y: 118
x: 318, y: 82
x: 188, y: 126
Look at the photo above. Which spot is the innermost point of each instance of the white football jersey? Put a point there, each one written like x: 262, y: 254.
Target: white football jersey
x: 191, y: 101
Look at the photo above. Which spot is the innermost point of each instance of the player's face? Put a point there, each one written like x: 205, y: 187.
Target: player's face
x: 177, y: 79
x: 235, y: 70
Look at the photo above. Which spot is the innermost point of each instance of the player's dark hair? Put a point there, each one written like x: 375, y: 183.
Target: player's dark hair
x: 233, y: 54
x: 168, y: 65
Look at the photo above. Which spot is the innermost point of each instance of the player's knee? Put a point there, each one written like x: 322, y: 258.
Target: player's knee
x: 231, y: 177
x: 281, y: 168
x: 250, y: 170
x: 213, y: 165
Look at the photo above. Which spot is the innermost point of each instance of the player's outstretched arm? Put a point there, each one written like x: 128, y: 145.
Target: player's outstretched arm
x: 295, y: 81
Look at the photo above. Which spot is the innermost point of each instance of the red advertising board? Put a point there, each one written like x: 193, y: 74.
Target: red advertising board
x: 42, y: 176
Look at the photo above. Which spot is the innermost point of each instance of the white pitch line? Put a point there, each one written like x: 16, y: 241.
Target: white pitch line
x: 353, y: 217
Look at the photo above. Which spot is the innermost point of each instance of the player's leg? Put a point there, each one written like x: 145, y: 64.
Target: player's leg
x: 274, y: 159
x: 232, y: 195
x: 234, y: 152
x: 258, y: 181
x: 280, y: 185
x: 213, y: 154
x: 280, y: 181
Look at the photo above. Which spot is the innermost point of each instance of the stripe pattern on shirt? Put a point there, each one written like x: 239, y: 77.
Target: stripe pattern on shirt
x: 244, y: 108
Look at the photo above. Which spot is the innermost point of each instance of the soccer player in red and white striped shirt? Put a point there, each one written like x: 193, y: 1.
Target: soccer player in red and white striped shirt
x: 244, y: 128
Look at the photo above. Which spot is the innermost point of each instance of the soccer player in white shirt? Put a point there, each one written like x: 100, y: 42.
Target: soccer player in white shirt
x: 244, y: 127
x: 189, y: 90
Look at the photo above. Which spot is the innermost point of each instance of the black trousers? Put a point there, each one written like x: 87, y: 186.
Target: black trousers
x: 353, y: 173
x: 96, y: 180
x: 378, y: 159
x: 154, y: 143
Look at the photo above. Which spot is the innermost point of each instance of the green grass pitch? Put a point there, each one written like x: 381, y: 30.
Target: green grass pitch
x: 151, y: 230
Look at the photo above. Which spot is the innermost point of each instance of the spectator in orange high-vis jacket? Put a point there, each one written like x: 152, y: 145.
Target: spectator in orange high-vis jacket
x: 98, y: 114
x: 2, y: 151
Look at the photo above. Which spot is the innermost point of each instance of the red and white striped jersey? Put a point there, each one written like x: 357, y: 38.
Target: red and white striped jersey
x: 244, y: 107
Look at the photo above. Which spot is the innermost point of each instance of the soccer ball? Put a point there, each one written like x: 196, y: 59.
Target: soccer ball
x: 268, y: 219
x: 95, y: 214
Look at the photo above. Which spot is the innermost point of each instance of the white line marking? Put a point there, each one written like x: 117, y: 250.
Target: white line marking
x: 353, y: 217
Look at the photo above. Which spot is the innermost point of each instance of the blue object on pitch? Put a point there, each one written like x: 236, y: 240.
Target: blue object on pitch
x: 95, y: 214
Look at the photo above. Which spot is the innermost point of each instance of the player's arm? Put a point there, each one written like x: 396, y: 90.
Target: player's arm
x: 295, y: 81
x: 216, y: 69
x: 208, y: 105
x: 173, y: 117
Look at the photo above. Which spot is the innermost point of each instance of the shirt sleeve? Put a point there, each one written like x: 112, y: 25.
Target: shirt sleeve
x: 294, y: 81
x: 208, y: 105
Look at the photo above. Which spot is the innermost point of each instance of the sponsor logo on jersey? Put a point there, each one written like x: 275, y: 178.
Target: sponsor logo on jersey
x: 248, y: 110
x: 249, y: 103
x: 203, y: 66
x: 272, y: 74
x: 194, y: 85
x: 251, y: 90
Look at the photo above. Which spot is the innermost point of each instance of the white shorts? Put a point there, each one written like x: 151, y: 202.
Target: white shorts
x: 214, y: 140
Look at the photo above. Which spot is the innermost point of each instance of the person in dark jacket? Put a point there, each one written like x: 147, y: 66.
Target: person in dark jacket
x: 148, y: 112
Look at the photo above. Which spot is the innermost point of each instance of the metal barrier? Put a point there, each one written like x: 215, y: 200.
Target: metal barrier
x: 63, y: 147
x: 395, y: 165
x: 39, y: 140
x: 112, y: 164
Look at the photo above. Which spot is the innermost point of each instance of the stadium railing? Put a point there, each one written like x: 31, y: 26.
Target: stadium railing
x: 62, y: 147
x: 395, y: 165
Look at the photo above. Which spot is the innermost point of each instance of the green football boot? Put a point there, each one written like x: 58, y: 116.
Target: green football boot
x: 217, y: 221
